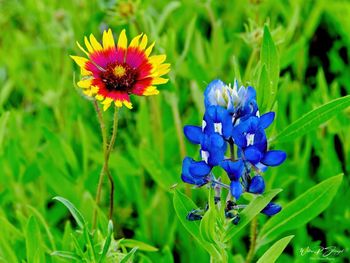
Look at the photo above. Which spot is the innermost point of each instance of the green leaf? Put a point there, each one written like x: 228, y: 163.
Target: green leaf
x: 301, y: 210
x: 167, y: 10
x: 207, y: 225
x: 73, y: 210
x: 154, y: 167
x: 262, y: 89
x: 33, y: 242
x: 129, y: 255
x: 107, y: 242
x: 3, y: 125
x: 272, y: 254
x: 254, y: 208
x: 183, y: 205
x: 313, y: 119
x: 131, y: 243
x: 269, y: 57
x: 66, y: 254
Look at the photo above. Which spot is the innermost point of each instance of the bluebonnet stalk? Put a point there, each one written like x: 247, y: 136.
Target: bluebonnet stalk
x: 231, y: 119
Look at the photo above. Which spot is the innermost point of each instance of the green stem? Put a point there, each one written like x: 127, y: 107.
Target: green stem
x: 107, y: 148
x: 253, y: 236
x: 222, y: 258
x: 104, y: 148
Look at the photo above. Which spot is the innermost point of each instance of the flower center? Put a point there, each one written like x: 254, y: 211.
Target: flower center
x: 119, y: 71
x: 119, y: 77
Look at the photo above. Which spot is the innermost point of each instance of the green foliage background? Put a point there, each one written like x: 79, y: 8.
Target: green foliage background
x: 50, y: 143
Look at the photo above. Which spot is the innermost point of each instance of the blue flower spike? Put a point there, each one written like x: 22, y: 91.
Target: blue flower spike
x: 231, y: 121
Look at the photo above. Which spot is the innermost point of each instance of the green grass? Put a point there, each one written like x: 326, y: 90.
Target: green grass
x: 50, y: 143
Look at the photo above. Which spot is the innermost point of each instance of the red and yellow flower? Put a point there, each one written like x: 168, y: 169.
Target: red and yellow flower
x: 111, y: 73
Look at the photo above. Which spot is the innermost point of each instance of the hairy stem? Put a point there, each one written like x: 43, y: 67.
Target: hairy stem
x: 253, y: 236
x: 107, y: 148
x: 104, y: 148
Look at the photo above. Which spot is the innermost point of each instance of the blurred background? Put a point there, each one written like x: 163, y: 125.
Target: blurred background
x: 50, y: 141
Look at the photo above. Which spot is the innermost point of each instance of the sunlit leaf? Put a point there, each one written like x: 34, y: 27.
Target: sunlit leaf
x: 301, y: 210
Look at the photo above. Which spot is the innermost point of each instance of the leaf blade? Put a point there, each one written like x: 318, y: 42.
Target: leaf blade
x: 254, y: 208
x: 312, y: 119
x: 296, y: 213
x: 272, y: 254
x: 73, y: 210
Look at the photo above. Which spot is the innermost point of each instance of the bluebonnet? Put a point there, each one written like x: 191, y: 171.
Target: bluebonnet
x: 232, y: 120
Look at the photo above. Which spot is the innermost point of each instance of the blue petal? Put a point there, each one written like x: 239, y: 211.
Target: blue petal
x: 257, y: 185
x: 193, y: 133
x: 216, y: 141
x: 233, y: 169
x: 274, y: 158
x: 199, y: 169
x: 271, y: 209
x: 236, y: 189
x: 260, y: 140
x: 239, y: 138
x: 251, y: 94
x: 191, y: 178
x: 266, y: 119
x: 209, y: 93
x: 252, y: 154
x: 216, y: 156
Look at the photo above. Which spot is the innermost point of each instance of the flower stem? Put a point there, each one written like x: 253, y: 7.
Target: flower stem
x: 253, y: 236
x: 232, y: 150
x: 107, y: 148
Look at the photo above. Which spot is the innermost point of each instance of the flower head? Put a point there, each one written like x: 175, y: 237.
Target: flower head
x: 111, y: 72
x: 232, y: 118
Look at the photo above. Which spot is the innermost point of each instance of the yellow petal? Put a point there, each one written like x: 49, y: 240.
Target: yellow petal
x: 118, y: 103
x: 86, y: 83
x: 158, y: 81
x: 149, y: 49
x: 87, y: 92
x: 157, y: 60
x: 143, y: 43
x: 94, y: 89
x: 107, y: 39
x: 80, y: 61
x: 99, y: 97
x: 122, y: 41
x: 96, y: 46
x: 135, y: 41
x: 127, y: 104
x: 106, y: 103
x: 161, y: 70
x: 82, y: 48
x: 88, y: 45
x: 151, y: 91
x: 85, y: 72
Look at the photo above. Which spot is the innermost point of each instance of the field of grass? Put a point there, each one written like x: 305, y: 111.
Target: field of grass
x: 50, y: 141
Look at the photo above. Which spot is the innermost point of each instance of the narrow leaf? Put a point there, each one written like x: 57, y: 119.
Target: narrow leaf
x: 107, y: 242
x: 66, y: 254
x: 272, y: 254
x: 33, y: 241
x: 269, y: 57
x: 183, y: 205
x: 301, y: 210
x: 129, y: 255
x: 254, y: 208
x: 313, y: 119
x: 131, y: 243
x: 73, y: 210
